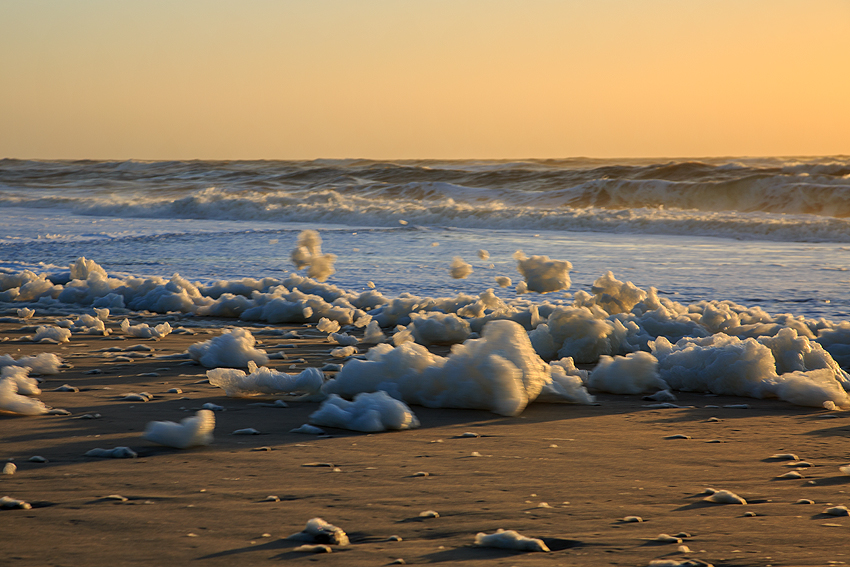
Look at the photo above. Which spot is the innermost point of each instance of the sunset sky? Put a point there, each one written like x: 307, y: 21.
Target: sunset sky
x: 389, y: 79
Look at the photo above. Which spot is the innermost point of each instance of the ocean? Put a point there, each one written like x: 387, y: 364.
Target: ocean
x: 771, y: 232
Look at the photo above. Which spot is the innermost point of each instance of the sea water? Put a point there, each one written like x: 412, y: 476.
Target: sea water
x: 768, y: 232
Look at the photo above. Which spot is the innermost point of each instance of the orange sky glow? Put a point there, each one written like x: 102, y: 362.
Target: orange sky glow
x: 390, y: 79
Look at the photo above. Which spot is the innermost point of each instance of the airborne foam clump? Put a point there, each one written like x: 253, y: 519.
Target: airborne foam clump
x: 634, y: 373
x: 190, y: 432
x: 145, y: 331
x: 499, y: 372
x: 369, y: 412
x: 542, y: 274
x: 510, y: 539
x: 234, y: 348
x: 308, y: 254
x: 262, y: 380
x: 459, y: 269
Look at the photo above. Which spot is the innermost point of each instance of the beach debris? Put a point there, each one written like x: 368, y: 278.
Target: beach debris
x: 369, y: 412
x: 246, y: 431
x: 116, y: 453
x: 510, y: 539
x: 800, y: 464
x: 459, y: 269
x: 263, y: 380
x: 321, y: 532
x: 724, y: 497
x: 467, y: 435
x: 804, y: 501
x: 174, y: 391
x: 308, y: 254
x: 7, y: 502
x: 421, y: 473
x: 790, y: 476
x: 271, y: 498
x: 116, y: 497
x: 429, y: 514
x: 233, y: 348
x: 308, y: 430
x: 837, y: 511
x: 9, y: 468
x: 145, y: 331
x: 632, y: 519
x: 190, y: 432
x: 667, y: 538
x: 750, y: 514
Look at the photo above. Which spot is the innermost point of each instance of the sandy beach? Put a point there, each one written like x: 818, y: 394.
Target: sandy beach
x: 566, y: 474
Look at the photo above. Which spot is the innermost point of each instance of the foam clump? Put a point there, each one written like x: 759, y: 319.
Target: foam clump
x: 542, y: 274
x: 725, y: 497
x: 52, y: 333
x: 190, y: 432
x: 459, y: 269
x: 499, y: 372
x: 44, y: 363
x: 25, y: 313
x: 634, y: 373
x: 308, y: 254
x: 234, y: 348
x: 343, y: 339
x: 115, y: 453
x: 373, y: 333
x: 437, y: 328
x: 369, y: 412
x: 510, y: 539
x: 325, y: 325
x: 262, y: 380
x: 145, y: 331
x: 11, y: 401
x: 503, y: 281
x: 7, y: 502
x: 26, y: 386
x: 321, y: 532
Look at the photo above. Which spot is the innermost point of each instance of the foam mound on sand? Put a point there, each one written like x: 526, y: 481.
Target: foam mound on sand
x: 262, y: 380
x: 499, y: 372
x: 11, y: 401
x: 234, y: 348
x: 510, y: 539
x: 20, y: 376
x: 542, y: 274
x: 44, y: 363
x: 145, y: 331
x: 437, y: 328
x: 634, y: 373
x: 190, y: 432
x: 320, y: 531
x: 52, y: 333
x: 369, y: 413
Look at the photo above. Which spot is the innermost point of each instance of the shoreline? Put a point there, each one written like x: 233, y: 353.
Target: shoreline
x: 565, y: 473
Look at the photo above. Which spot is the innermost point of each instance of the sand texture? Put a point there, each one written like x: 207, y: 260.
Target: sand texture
x: 566, y: 474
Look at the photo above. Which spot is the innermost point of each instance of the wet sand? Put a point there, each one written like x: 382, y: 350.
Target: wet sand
x: 567, y: 474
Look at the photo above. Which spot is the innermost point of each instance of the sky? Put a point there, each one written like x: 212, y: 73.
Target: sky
x: 408, y: 79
